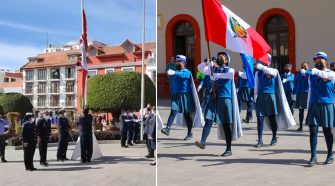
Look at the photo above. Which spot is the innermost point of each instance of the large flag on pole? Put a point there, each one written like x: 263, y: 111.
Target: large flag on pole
x: 225, y: 28
x: 84, y: 47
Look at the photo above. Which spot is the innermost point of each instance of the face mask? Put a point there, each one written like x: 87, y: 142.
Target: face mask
x: 148, y: 109
x: 220, y: 62
x: 319, y: 66
x: 32, y: 120
x: 287, y: 70
x: 178, y: 66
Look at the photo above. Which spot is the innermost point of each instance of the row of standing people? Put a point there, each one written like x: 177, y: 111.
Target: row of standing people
x: 271, y: 98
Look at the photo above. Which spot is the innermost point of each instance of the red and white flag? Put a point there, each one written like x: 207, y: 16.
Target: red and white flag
x: 225, y: 28
x: 84, y: 47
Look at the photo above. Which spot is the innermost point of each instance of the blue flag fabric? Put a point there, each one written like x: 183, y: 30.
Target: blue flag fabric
x: 248, y: 63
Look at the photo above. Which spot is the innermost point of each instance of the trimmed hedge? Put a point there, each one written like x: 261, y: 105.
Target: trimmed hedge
x: 15, y: 102
x: 119, y: 91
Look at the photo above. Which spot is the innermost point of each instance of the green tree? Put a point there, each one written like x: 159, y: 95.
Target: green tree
x: 15, y: 102
x: 118, y: 91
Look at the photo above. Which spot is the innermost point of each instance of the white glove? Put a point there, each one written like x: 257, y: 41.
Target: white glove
x: 216, y: 76
x: 303, y: 71
x: 171, y: 72
x: 259, y: 66
x: 207, y: 70
x: 211, y: 64
x: 240, y: 73
x: 284, y: 80
x: 315, y: 71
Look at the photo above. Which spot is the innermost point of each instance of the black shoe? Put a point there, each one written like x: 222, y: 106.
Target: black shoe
x: 124, y: 146
x: 32, y: 169
x: 44, y: 164
x: 312, y: 162
x: 299, y: 129
x: 66, y: 159
x: 245, y: 120
x: 4, y: 160
x: 274, y: 142
x: 200, y: 145
x: 153, y: 164
x: 189, y: 136
x: 130, y: 144
x: 83, y: 161
x: 227, y: 153
x: 149, y: 156
x: 259, y: 144
x: 329, y: 160
x: 88, y: 161
x: 166, y: 132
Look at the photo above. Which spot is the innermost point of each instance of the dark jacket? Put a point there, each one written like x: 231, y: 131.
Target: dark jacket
x: 85, y: 125
x: 29, y: 133
x: 43, y: 127
x: 64, y: 125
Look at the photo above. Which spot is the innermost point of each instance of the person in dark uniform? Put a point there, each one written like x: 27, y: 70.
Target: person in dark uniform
x: 29, y: 140
x: 124, y: 129
x: 85, y: 130
x: 43, y: 126
x: 2, y: 138
x: 288, y: 84
x: 63, y: 135
x: 130, y: 128
x: 137, y: 128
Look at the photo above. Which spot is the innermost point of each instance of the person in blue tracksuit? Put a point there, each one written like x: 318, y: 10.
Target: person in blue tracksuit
x: 182, y: 98
x: 244, y: 94
x: 220, y: 109
x: 288, y: 84
x: 301, y: 87
x: 266, y: 101
x: 321, y: 105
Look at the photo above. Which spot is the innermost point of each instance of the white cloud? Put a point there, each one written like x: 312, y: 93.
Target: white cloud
x: 13, y: 57
x: 31, y: 28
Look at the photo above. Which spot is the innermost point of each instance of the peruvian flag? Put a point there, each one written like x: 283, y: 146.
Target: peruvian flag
x: 84, y: 47
x: 225, y: 28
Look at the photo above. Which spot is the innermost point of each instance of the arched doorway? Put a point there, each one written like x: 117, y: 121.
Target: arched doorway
x: 278, y: 29
x: 182, y: 36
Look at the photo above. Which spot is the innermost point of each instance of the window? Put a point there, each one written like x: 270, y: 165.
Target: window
x: 69, y: 101
x: 29, y: 88
x: 91, y: 73
x: 128, y: 69
x: 69, y: 72
x: 276, y: 31
x: 54, y: 74
x: 73, y: 58
x: 109, y: 70
x: 69, y: 86
x: 41, y: 101
x: 54, y: 101
x: 6, y: 80
x: 54, y: 87
x: 41, y: 88
x: 29, y: 75
x: 42, y: 74
x: 12, y: 80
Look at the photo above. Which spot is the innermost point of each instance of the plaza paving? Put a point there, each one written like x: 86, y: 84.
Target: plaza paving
x: 119, y: 166
x: 182, y: 163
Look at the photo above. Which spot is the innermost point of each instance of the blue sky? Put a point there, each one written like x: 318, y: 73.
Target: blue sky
x: 24, y: 25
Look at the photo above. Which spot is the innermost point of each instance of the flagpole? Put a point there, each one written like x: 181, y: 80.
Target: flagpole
x: 85, y: 89
x: 142, y: 78
x: 208, y: 48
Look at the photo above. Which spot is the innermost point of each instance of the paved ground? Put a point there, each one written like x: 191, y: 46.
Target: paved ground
x: 182, y: 163
x: 117, y: 167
